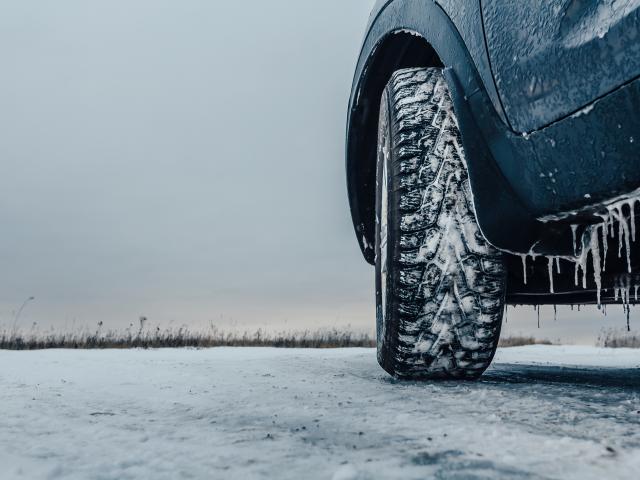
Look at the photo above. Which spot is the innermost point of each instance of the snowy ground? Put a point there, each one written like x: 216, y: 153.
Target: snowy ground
x: 540, y: 412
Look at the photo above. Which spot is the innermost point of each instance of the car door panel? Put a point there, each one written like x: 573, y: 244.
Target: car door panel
x: 550, y: 58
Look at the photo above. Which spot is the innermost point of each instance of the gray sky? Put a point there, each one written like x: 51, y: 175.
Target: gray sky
x: 183, y: 160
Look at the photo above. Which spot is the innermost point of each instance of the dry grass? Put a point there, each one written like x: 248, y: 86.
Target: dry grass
x: 182, y: 337
x: 213, y: 337
x: 619, y: 338
x: 521, y: 342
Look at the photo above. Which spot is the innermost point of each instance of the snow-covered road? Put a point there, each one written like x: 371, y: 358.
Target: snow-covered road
x: 539, y: 412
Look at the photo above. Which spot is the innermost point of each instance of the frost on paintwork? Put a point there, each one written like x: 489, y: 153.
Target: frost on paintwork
x: 551, y: 58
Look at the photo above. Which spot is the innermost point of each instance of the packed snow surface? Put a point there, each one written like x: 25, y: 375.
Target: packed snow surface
x: 539, y: 412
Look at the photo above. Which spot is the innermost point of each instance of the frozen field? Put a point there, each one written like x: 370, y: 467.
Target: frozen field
x: 540, y: 412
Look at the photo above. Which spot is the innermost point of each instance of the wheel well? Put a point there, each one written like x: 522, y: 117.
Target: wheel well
x: 400, y: 49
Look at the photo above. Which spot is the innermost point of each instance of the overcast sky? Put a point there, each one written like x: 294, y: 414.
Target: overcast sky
x: 183, y: 160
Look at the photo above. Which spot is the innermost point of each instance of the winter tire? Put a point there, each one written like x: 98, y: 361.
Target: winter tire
x: 440, y: 286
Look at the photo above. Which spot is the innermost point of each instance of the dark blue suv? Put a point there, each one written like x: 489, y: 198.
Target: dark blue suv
x: 492, y: 159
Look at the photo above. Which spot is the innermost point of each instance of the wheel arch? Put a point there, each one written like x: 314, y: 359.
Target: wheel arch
x: 397, y: 49
x: 419, y: 33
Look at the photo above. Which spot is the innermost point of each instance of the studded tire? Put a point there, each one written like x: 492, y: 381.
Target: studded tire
x: 440, y: 286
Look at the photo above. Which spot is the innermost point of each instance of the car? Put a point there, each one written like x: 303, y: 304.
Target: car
x: 492, y: 159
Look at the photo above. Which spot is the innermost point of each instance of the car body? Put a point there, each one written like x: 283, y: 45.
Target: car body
x: 547, y: 97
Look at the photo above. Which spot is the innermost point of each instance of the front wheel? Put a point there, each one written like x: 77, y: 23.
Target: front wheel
x: 440, y: 286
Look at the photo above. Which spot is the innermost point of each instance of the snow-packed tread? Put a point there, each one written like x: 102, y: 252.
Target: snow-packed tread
x: 445, y: 284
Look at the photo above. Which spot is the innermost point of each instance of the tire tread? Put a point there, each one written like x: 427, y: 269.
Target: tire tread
x: 446, y: 321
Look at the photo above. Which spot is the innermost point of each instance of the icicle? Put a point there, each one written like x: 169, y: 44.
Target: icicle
x: 586, y: 240
x: 555, y: 313
x: 524, y: 267
x: 623, y: 236
x: 628, y: 323
x: 506, y: 313
x: 625, y: 305
x: 574, y: 230
x: 628, y: 244
x: 595, y: 258
x: 612, y: 226
x: 538, y: 309
x: 627, y: 293
x: 616, y: 292
x: 628, y: 288
x: 605, y: 246
x: 632, y: 205
x: 581, y: 261
x: 620, y: 233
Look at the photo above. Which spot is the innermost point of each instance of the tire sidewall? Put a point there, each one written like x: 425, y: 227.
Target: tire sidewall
x: 385, y: 320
